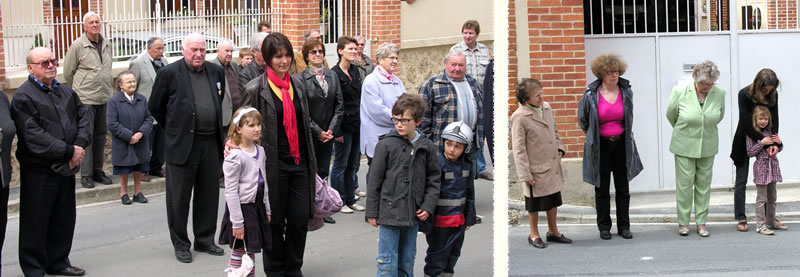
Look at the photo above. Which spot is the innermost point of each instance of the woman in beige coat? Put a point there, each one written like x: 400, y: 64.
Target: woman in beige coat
x: 537, y: 151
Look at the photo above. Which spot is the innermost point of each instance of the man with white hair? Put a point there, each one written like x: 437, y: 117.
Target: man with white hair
x: 255, y: 68
x: 87, y: 69
x: 144, y: 68
x: 187, y: 100
x: 233, y: 96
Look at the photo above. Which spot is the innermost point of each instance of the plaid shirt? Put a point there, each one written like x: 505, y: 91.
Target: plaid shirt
x: 766, y: 169
x: 477, y: 59
x: 440, y: 96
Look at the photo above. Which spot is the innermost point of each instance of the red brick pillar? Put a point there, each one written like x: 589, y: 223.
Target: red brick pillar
x: 512, y: 57
x: 383, y: 19
x: 3, y: 83
x: 557, y: 53
x: 300, y: 16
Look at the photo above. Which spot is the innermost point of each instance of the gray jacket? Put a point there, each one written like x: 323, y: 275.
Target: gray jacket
x: 588, y: 119
x: 87, y: 73
x: 227, y: 104
x: 402, y: 178
x: 145, y: 74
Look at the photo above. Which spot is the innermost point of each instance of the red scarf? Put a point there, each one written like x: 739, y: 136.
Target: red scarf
x: 289, y: 118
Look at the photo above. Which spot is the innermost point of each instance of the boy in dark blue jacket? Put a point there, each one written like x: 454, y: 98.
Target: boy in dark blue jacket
x: 455, y: 209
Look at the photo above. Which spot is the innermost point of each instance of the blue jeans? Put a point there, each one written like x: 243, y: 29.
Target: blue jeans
x: 481, y: 160
x: 346, y: 160
x: 397, y: 247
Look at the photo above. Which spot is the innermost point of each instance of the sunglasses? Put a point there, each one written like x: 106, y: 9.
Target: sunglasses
x: 46, y: 64
x: 317, y: 52
x: 404, y: 121
x: 360, y: 44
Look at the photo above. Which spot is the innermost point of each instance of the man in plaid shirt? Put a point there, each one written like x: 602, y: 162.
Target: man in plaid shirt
x: 451, y: 96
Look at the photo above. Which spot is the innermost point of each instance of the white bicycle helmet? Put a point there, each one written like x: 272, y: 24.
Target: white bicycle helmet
x: 459, y: 132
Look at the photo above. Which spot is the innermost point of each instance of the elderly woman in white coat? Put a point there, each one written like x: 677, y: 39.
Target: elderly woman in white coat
x: 537, y: 152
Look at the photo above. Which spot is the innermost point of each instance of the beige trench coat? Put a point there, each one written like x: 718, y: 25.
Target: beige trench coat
x: 535, y: 148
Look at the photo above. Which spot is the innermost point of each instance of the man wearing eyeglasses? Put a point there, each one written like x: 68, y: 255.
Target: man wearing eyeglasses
x: 87, y: 69
x: 53, y: 128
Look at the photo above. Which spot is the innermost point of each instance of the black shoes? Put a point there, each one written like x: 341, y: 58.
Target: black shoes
x: 329, y: 220
x: 101, y: 177
x: 486, y: 176
x: 139, y: 198
x: 70, y: 271
x: 87, y: 182
x: 210, y: 249
x: 625, y: 234
x: 538, y: 243
x: 606, y: 235
x: 125, y: 199
x: 561, y: 239
x: 183, y: 256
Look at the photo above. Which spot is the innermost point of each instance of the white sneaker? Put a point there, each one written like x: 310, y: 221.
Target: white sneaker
x: 357, y: 197
x: 361, y: 193
x: 346, y: 210
x: 358, y: 207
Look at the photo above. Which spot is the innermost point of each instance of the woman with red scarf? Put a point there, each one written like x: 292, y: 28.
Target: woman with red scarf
x: 291, y: 162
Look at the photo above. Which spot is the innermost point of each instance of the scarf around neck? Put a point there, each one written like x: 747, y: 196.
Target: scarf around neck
x: 385, y: 73
x: 319, y: 73
x: 289, y: 119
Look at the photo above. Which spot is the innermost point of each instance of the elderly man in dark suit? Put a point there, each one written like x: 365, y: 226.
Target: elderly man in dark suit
x: 187, y: 101
x: 145, y: 68
x: 53, y: 128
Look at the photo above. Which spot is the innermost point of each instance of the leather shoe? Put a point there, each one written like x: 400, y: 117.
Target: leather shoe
x: 538, y: 243
x: 486, y: 176
x: 70, y: 271
x: 125, y: 199
x: 183, y: 256
x: 210, y: 249
x: 329, y: 220
x: 87, y: 182
x: 561, y: 239
x: 139, y: 198
x: 625, y: 234
x: 606, y: 235
x: 101, y: 177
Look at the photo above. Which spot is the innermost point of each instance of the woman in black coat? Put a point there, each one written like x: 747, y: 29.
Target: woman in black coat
x: 763, y: 91
x: 291, y: 161
x: 7, y: 132
x: 129, y: 121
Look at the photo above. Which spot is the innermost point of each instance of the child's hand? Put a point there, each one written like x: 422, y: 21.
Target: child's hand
x: 422, y: 214
x: 772, y: 151
x: 766, y: 141
x: 238, y: 233
x: 373, y: 222
x: 229, y: 145
x: 776, y: 139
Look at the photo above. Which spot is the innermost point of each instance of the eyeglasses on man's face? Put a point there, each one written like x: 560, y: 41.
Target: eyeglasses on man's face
x: 47, y: 63
x: 404, y: 121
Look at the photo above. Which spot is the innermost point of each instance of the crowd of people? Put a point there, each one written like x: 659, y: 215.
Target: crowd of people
x: 605, y: 114
x: 263, y: 129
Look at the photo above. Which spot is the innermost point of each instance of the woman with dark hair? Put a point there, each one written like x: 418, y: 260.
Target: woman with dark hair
x: 291, y: 161
x: 537, y: 152
x: 7, y: 133
x: 763, y: 91
x: 346, y: 148
x: 605, y: 114
x: 325, y: 99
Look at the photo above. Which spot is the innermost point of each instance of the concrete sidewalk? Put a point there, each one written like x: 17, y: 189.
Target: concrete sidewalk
x: 659, y: 207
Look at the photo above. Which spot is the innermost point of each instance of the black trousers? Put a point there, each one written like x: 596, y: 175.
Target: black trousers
x: 157, y: 141
x: 444, y: 248
x: 4, y: 214
x: 200, y: 173
x: 323, y: 152
x: 46, y: 220
x: 612, y: 160
x: 289, y: 233
x: 93, y: 161
x: 739, y: 191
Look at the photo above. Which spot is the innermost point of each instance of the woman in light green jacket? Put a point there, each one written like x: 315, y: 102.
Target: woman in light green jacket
x: 694, y: 111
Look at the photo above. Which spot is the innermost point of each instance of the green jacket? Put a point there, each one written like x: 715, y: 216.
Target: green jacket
x: 88, y: 74
x: 694, y: 128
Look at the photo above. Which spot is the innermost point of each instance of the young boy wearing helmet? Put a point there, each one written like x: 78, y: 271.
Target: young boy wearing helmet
x: 455, y: 210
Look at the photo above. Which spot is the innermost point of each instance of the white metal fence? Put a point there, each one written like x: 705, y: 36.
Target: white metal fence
x: 344, y: 18
x: 129, y: 23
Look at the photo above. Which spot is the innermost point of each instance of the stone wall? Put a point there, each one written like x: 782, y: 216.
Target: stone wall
x: 419, y: 64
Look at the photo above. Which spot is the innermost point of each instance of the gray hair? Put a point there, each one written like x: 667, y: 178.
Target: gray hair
x: 453, y: 54
x: 88, y: 15
x: 256, y: 39
x: 123, y: 73
x: 152, y: 41
x: 360, y: 38
x: 705, y: 71
x: 193, y: 36
x: 385, y: 49
x: 308, y: 34
x: 224, y: 42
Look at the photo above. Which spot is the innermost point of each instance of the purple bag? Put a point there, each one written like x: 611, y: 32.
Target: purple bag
x: 326, y: 203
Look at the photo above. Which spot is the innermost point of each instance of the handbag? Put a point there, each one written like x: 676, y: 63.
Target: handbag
x: 245, y: 268
x: 326, y: 203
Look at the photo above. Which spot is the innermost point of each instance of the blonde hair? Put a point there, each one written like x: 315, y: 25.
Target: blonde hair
x: 758, y: 111
x: 251, y: 116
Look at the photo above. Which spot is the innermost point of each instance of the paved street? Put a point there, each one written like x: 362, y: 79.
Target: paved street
x: 657, y: 250
x: 116, y: 240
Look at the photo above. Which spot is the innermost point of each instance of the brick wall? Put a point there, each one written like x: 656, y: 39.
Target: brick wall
x: 557, y: 53
x: 714, y: 14
x: 781, y: 14
x: 385, y: 25
x: 512, y: 57
x: 300, y: 16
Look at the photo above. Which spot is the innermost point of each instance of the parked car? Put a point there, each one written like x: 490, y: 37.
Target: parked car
x: 130, y: 45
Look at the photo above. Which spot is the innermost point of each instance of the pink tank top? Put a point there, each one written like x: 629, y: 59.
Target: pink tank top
x: 611, y: 116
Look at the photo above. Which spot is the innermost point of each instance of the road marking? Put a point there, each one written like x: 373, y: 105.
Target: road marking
x: 647, y: 258
x: 641, y: 223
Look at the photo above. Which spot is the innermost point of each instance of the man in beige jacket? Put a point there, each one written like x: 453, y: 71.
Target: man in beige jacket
x: 87, y: 69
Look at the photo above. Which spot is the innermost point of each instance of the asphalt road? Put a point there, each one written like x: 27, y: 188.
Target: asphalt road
x: 116, y: 240
x: 657, y: 250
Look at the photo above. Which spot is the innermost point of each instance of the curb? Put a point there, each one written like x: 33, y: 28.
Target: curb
x: 569, y: 214
x: 101, y: 193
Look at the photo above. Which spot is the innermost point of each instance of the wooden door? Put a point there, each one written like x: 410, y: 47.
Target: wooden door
x: 68, y: 23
